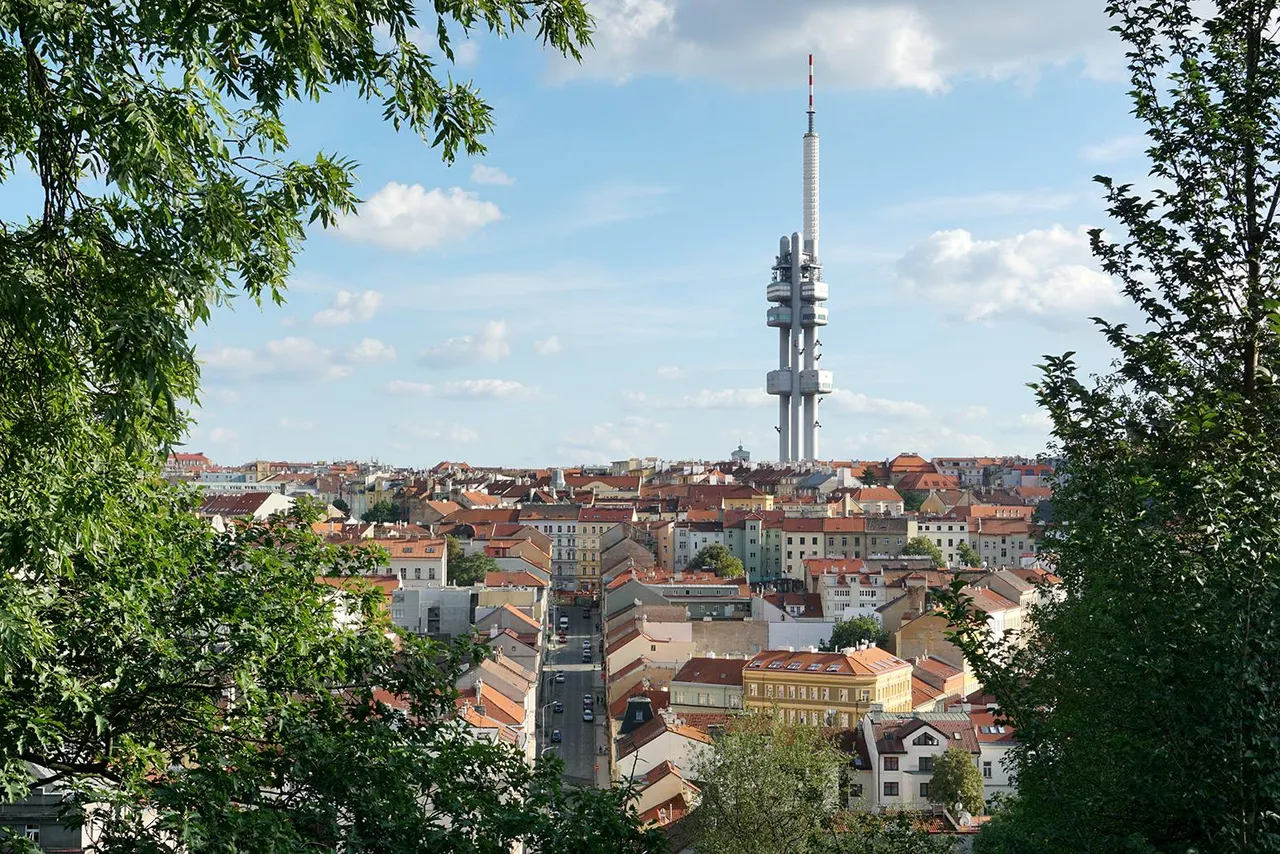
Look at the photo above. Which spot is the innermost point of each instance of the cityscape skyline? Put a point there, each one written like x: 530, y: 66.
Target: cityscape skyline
x: 514, y: 309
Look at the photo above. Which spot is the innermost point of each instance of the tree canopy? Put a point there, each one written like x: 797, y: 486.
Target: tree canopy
x: 205, y: 688
x: 956, y: 780
x: 382, y: 512
x: 468, y: 569
x: 1165, y: 505
x: 924, y: 546
x: 968, y: 556
x: 855, y: 630
x: 718, y: 559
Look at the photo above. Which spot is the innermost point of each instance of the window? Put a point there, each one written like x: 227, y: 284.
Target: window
x: 826, y: 693
x: 939, y: 540
x: 986, y: 770
x: 844, y: 720
x: 417, y: 572
x: 397, y: 613
x: 855, y: 790
x: 925, y: 738
x: 926, y: 763
x: 653, y: 648
x: 768, y: 690
x: 864, y: 696
x: 890, y: 789
x: 804, y: 719
x: 753, y: 690
x: 873, y: 541
x: 788, y: 553
x: 924, y: 791
x: 831, y: 541
x: 431, y: 574
x: 733, y: 701
x: 789, y: 540
x: 791, y: 692
x: 844, y: 695
x: 891, y: 763
x: 950, y: 542
x: 803, y: 692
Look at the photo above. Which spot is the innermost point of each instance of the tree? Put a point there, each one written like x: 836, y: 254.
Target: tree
x: 718, y: 559
x: 766, y: 787
x: 468, y: 569
x: 341, y: 505
x: 967, y: 555
x: 1164, y: 510
x: 913, y: 500
x: 198, y: 685
x: 868, y: 477
x: 924, y: 546
x: 769, y: 787
x: 381, y: 512
x: 956, y: 780
x: 855, y: 630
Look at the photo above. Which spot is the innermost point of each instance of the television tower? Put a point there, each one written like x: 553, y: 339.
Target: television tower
x: 799, y: 290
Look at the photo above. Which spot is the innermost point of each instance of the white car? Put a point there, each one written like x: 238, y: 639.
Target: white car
x: 587, y: 716
x: 560, y: 676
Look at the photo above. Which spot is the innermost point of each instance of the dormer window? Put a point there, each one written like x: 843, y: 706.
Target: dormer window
x: 925, y: 739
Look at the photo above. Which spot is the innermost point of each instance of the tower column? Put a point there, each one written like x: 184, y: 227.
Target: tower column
x: 797, y: 308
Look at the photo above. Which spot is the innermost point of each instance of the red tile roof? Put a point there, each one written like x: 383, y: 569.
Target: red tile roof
x: 712, y: 671
x: 866, y: 662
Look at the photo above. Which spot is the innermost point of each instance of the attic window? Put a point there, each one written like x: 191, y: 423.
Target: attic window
x: 814, y: 667
x: 774, y: 664
x: 754, y: 664
x: 833, y: 668
x: 994, y: 730
x: 407, y: 550
x: 925, y: 738
x: 795, y: 665
x: 956, y: 735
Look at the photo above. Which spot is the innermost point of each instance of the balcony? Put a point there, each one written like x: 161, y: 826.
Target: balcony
x: 816, y: 382
x: 780, y: 316
x: 778, y: 292
x: 778, y: 382
x: 810, y: 315
x: 814, y: 291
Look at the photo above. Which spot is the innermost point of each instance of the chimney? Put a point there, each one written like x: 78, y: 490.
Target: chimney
x: 493, y: 631
x: 875, y: 712
x: 479, y: 699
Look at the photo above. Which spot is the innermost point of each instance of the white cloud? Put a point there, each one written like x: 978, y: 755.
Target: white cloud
x: 222, y: 435
x: 347, y: 307
x: 371, y: 350
x: 482, y: 174
x: 549, y: 347
x: 1047, y: 276
x: 730, y: 398
x: 405, y: 387
x: 286, y: 359
x: 466, y: 54
x: 487, y: 389
x: 411, y: 218
x: 975, y: 412
x: 617, y: 202
x: 861, y: 404
x: 436, y: 431
x: 890, y: 44
x: 1038, y: 420
x: 671, y: 372
x: 490, y: 345
x: 611, y: 440
x: 985, y: 204
x: 291, y: 424
x: 1113, y: 150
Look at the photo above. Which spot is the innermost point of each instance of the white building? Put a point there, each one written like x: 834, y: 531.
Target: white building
x: 688, y: 538
x: 947, y: 535
x: 895, y: 755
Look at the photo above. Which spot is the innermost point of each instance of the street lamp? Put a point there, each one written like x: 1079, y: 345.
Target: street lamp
x: 542, y: 713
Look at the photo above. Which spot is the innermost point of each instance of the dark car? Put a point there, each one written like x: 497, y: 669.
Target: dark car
x: 558, y: 707
x: 586, y: 656
x: 556, y: 737
x: 586, y: 701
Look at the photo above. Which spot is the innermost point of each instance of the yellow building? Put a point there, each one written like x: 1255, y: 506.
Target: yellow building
x: 826, y: 688
x: 746, y: 498
x: 598, y: 529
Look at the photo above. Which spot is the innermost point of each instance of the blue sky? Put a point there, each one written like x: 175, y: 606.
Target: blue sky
x: 594, y: 287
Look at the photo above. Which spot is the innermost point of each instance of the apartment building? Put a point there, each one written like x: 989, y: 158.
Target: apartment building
x: 826, y: 688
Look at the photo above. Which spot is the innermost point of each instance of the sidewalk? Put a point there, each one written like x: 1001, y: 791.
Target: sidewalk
x: 602, y: 779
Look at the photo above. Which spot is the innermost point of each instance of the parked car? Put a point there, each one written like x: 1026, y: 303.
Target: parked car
x: 558, y: 707
x: 560, y: 676
x: 586, y: 656
x: 586, y: 701
x: 556, y: 737
x: 587, y: 716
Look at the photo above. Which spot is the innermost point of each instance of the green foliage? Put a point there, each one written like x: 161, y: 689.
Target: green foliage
x: 924, y: 546
x: 868, y: 477
x: 198, y: 685
x: 341, y: 505
x: 854, y: 630
x: 718, y: 559
x: 888, y: 833
x: 968, y: 556
x: 957, y: 780
x: 381, y: 512
x: 766, y: 787
x: 1165, y: 508
x: 467, y: 569
x: 913, y: 500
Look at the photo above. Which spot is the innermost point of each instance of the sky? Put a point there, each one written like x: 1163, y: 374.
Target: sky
x: 593, y: 288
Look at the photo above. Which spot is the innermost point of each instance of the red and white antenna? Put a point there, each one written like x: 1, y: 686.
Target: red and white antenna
x: 810, y: 93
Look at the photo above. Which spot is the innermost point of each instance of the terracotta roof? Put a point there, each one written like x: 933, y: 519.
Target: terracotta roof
x: 920, y: 481
x: 876, y: 493
x: 833, y: 566
x: 866, y: 662
x: 844, y: 525
x: 481, y: 515
x: 671, y: 810
x: 893, y: 730
x: 444, y: 508
x: 704, y: 721
x: 650, y: 730
x: 909, y: 462
x: 800, y: 524
x: 468, y: 714
x: 606, y: 514
x: 659, y: 699
x: 988, y: 600
x: 631, y: 666
x: 937, y: 667
x: 496, y: 705
x: 922, y: 692
x: 410, y: 548
x: 244, y: 504
x: 992, y: 729
x: 524, y: 618
x: 712, y: 671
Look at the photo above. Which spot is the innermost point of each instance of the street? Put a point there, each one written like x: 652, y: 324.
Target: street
x: 581, y: 740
